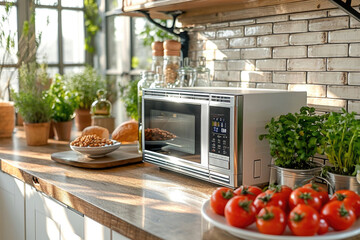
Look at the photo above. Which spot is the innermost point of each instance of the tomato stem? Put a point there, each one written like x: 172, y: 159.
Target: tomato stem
x: 245, y: 205
x: 267, y: 216
x: 342, y: 211
x: 228, y: 194
x: 305, y: 197
x: 298, y: 217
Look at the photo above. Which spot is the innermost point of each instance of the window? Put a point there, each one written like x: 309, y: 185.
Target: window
x: 60, y: 24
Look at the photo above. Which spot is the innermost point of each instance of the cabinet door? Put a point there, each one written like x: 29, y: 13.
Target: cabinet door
x: 12, y: 202
x: 46, y: 219
x: 95, y: 231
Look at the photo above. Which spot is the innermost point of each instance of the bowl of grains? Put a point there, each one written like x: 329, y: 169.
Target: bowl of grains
x: 94, y: 146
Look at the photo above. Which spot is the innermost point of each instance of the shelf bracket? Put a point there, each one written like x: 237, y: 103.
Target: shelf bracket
x: 184, y: 36
x: 346, y: 6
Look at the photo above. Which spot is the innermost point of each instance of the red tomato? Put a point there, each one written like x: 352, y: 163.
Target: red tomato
x: 219, y: 199
x: 264, y: 200
x: 271, y: 220
x: 323, y: 226
x: 323, y: 193
x: 282, y: 189
x: 348, y: 197
x: 338, y: 215
x: 303, y: 220
x: 240, y: 212
x: 249, y: 191
x: 305, y: 196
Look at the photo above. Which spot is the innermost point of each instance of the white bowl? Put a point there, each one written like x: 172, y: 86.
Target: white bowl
x: 95, y: 152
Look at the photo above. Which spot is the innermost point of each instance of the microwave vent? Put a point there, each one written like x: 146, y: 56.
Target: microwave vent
x: 217, y: 98
x: 195, y: 96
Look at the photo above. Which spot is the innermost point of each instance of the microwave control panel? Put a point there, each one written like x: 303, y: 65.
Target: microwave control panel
x: 219, y: 136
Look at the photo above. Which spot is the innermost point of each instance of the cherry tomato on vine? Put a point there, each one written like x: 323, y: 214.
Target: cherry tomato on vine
x: 271, y: 220
x: 305, y: 196
x: 249, y: 191
x: 323, y: 193
x: 240, y: 212
x: 264, y: 200
x: 338, y: 215
x: 348, y: 197
x: 219, y: 199
x: 303, y: 220
x: 323, y: 226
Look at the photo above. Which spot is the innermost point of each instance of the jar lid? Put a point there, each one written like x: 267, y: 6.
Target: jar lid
x: 172, y: 48
x: 157, y: 48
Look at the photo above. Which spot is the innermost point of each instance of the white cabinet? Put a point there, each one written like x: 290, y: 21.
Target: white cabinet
x: 12, y: 202
x: 118, y: 236
x: 46, y: 219
x: 95, y: 230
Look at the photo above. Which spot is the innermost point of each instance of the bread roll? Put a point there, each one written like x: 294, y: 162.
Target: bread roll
x: 126, y: 132
x: 98, y: 131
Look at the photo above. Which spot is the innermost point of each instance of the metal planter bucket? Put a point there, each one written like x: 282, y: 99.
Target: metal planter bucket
x: 340, y: 182
x: 295, y: 177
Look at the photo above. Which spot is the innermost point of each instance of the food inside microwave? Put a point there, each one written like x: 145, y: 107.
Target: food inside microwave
x: 157, y: 134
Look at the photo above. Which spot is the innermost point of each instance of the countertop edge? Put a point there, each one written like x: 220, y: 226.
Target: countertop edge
x: 97, y: 214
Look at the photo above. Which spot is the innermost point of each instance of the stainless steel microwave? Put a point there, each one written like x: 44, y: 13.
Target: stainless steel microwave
x: 213, y: 133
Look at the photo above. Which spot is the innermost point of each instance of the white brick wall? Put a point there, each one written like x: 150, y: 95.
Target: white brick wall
x: 306, y: 64
x: 317, y: 51
x: 290, y: 52
x: 255, y: 53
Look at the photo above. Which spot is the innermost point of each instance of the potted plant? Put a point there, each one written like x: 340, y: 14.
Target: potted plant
x: 85, y: 85
x: 7, y: 42
x: 342, y: 148
x: 294, y: 139
x: 33, y: 103
x: 63, y: 109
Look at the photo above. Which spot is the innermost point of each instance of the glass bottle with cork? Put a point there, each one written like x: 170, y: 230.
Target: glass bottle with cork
x: 147, y: 78
x: 171, y: 62
x: 157, y: 55
x: 101, y: 112
x: 202, y: 74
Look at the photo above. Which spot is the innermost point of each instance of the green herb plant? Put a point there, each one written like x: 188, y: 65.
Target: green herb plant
x: 294, y: 139
x: 32, y: 100
x: 85, y: 86
x: 63, y: 101
x: 342, y: 142
x: 129, y: 96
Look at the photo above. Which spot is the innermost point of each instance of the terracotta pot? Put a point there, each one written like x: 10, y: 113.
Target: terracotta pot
x: 82, y: 119
x: 37, y: 134
x: 51, y: 131
x: 62, y: 130
x: 7, y: 119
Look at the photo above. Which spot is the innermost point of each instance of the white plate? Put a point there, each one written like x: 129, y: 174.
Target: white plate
x: 95, y: 152
x: 252, y: 233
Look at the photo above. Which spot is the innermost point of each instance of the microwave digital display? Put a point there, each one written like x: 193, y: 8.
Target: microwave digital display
x: 219, y: 141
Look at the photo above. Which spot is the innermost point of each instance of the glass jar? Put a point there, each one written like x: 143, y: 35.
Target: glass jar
x: 158, y: 79
x: 157, y: 55
x: 202, y: 74
x: 187, y: 74
x: 157, y: 61
x: 101, y: 106
x: 147, y: 78
x: 171, y: 67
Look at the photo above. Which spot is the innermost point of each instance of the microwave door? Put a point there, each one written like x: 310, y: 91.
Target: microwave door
x: 174, y: 129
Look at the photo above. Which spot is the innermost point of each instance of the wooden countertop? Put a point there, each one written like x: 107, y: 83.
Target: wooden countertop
x: 138, y: 200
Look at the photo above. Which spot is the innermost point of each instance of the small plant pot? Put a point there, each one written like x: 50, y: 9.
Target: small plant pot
x: 62, y: 130
x: 37, y: 134
x: 82, y: 119
x: 340, y: 182
x: 7, y: 119
x: 296, y: 177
